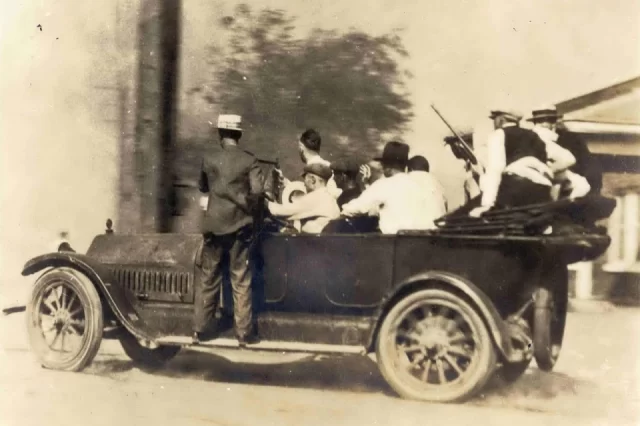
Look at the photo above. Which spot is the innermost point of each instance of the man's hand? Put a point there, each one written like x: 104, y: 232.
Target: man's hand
x: 476, y: 170
x: 282, y: 181
x: 364, y: 176
x: 365, y: 172
x: 479, y: 211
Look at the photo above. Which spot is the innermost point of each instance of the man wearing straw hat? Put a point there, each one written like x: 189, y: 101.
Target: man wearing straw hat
x: 516, y: 172
x: 546, y: 120
x: 234, y: 182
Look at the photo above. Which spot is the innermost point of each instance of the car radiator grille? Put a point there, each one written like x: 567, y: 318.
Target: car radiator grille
x: 156, y: 285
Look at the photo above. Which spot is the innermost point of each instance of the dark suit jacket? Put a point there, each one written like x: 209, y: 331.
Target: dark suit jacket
x: 234, y: 181
x: 586, y: 164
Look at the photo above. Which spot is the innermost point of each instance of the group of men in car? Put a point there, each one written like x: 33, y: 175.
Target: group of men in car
x: 408, y: 197
x: 524, y: 166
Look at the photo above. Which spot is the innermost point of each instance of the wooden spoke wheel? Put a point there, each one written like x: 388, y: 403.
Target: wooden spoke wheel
x: 550, y: 316
x: 434, y: 346
x: 64, y: 320
x: 150, y: 358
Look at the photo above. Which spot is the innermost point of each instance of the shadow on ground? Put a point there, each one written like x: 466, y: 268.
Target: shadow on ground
x: 344, y: 373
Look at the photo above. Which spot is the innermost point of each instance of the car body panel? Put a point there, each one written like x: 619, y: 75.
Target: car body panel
x: 334, y: 274
x: 331, y: 289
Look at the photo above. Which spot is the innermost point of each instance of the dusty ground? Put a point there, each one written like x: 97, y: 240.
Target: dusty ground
x: 595, y: 383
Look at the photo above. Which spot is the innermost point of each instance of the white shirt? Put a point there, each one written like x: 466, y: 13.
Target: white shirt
x: 527, y: 167
x: 432, y: 193
x: 559, y: 158
x: 314, y: 210
x: 399, y: 202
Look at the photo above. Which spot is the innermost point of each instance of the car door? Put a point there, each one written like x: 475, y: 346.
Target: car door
x: 334, y: 273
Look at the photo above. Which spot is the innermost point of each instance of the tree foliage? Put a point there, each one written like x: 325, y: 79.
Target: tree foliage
x: 349, y: 86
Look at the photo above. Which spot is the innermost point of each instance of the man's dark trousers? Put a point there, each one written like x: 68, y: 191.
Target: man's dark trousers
x: 230, y: 251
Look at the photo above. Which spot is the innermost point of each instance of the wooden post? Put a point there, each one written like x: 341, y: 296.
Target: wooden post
x: 584, y: 280
x: 614, y: 253
x: 630, y: 227
x: 158, y: 51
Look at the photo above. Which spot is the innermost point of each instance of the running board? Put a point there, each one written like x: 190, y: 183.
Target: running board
x: 265, y: 345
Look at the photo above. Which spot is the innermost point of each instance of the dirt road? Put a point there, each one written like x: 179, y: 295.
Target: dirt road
x: 595, y: 383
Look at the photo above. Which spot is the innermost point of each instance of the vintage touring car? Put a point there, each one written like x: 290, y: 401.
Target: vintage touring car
x: 442, y: 310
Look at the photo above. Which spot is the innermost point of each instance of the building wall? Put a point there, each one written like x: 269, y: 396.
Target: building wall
x: 60, y: 125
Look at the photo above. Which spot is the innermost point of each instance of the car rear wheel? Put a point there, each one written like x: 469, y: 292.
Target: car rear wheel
x: 550, y: 318
x: 64, y: 320
x: 146, y: 357
x: 433, y: 346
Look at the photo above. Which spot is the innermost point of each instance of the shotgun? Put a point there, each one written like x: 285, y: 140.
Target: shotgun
x: 458, y: 146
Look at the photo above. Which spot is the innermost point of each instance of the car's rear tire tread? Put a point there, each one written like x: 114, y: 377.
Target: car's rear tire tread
x: 471, y: 384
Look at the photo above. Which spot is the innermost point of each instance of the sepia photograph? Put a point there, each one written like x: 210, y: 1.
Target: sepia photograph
x: 305, y: 212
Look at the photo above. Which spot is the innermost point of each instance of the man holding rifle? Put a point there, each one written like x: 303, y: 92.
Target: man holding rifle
x: 519, y: 169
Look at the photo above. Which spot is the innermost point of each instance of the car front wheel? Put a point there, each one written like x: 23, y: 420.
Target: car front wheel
x: 64, y: 320
x: 433, y: 346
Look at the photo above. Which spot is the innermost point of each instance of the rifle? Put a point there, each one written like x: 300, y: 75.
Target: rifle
x: 459, y: 147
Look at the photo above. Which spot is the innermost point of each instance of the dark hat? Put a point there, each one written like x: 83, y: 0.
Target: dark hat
x: 346, y: 165
x: 545, y: 114
x: 394, y: 152
x: 318, y: 169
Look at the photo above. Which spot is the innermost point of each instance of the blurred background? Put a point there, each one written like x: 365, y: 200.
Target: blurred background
x: 105, y: 106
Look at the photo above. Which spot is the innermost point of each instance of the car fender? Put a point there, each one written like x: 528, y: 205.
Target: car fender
x: 101, y: 278
x: 479, y: 300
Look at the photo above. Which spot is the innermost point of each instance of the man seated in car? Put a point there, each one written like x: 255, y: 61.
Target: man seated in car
x: 345, y: 173
x: 392, y: 198
x: 314, y: 209
x: 432, y: 196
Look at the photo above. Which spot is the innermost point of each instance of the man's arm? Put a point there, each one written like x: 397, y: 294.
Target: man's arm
x: 298, y: 207
x: 256, y: 179
x: 496, y: 162
x: 368, y: 201
x: 559, y: 158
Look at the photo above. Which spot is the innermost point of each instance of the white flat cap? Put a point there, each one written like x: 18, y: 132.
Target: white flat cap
x: 230, y: 122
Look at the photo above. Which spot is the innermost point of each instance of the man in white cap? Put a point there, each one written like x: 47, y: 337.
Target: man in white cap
x: 516, y: 172
x: 234, y: 182
x: 315, y: 208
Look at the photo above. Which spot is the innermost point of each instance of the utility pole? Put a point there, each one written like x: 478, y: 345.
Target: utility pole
x: 155, y: 130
